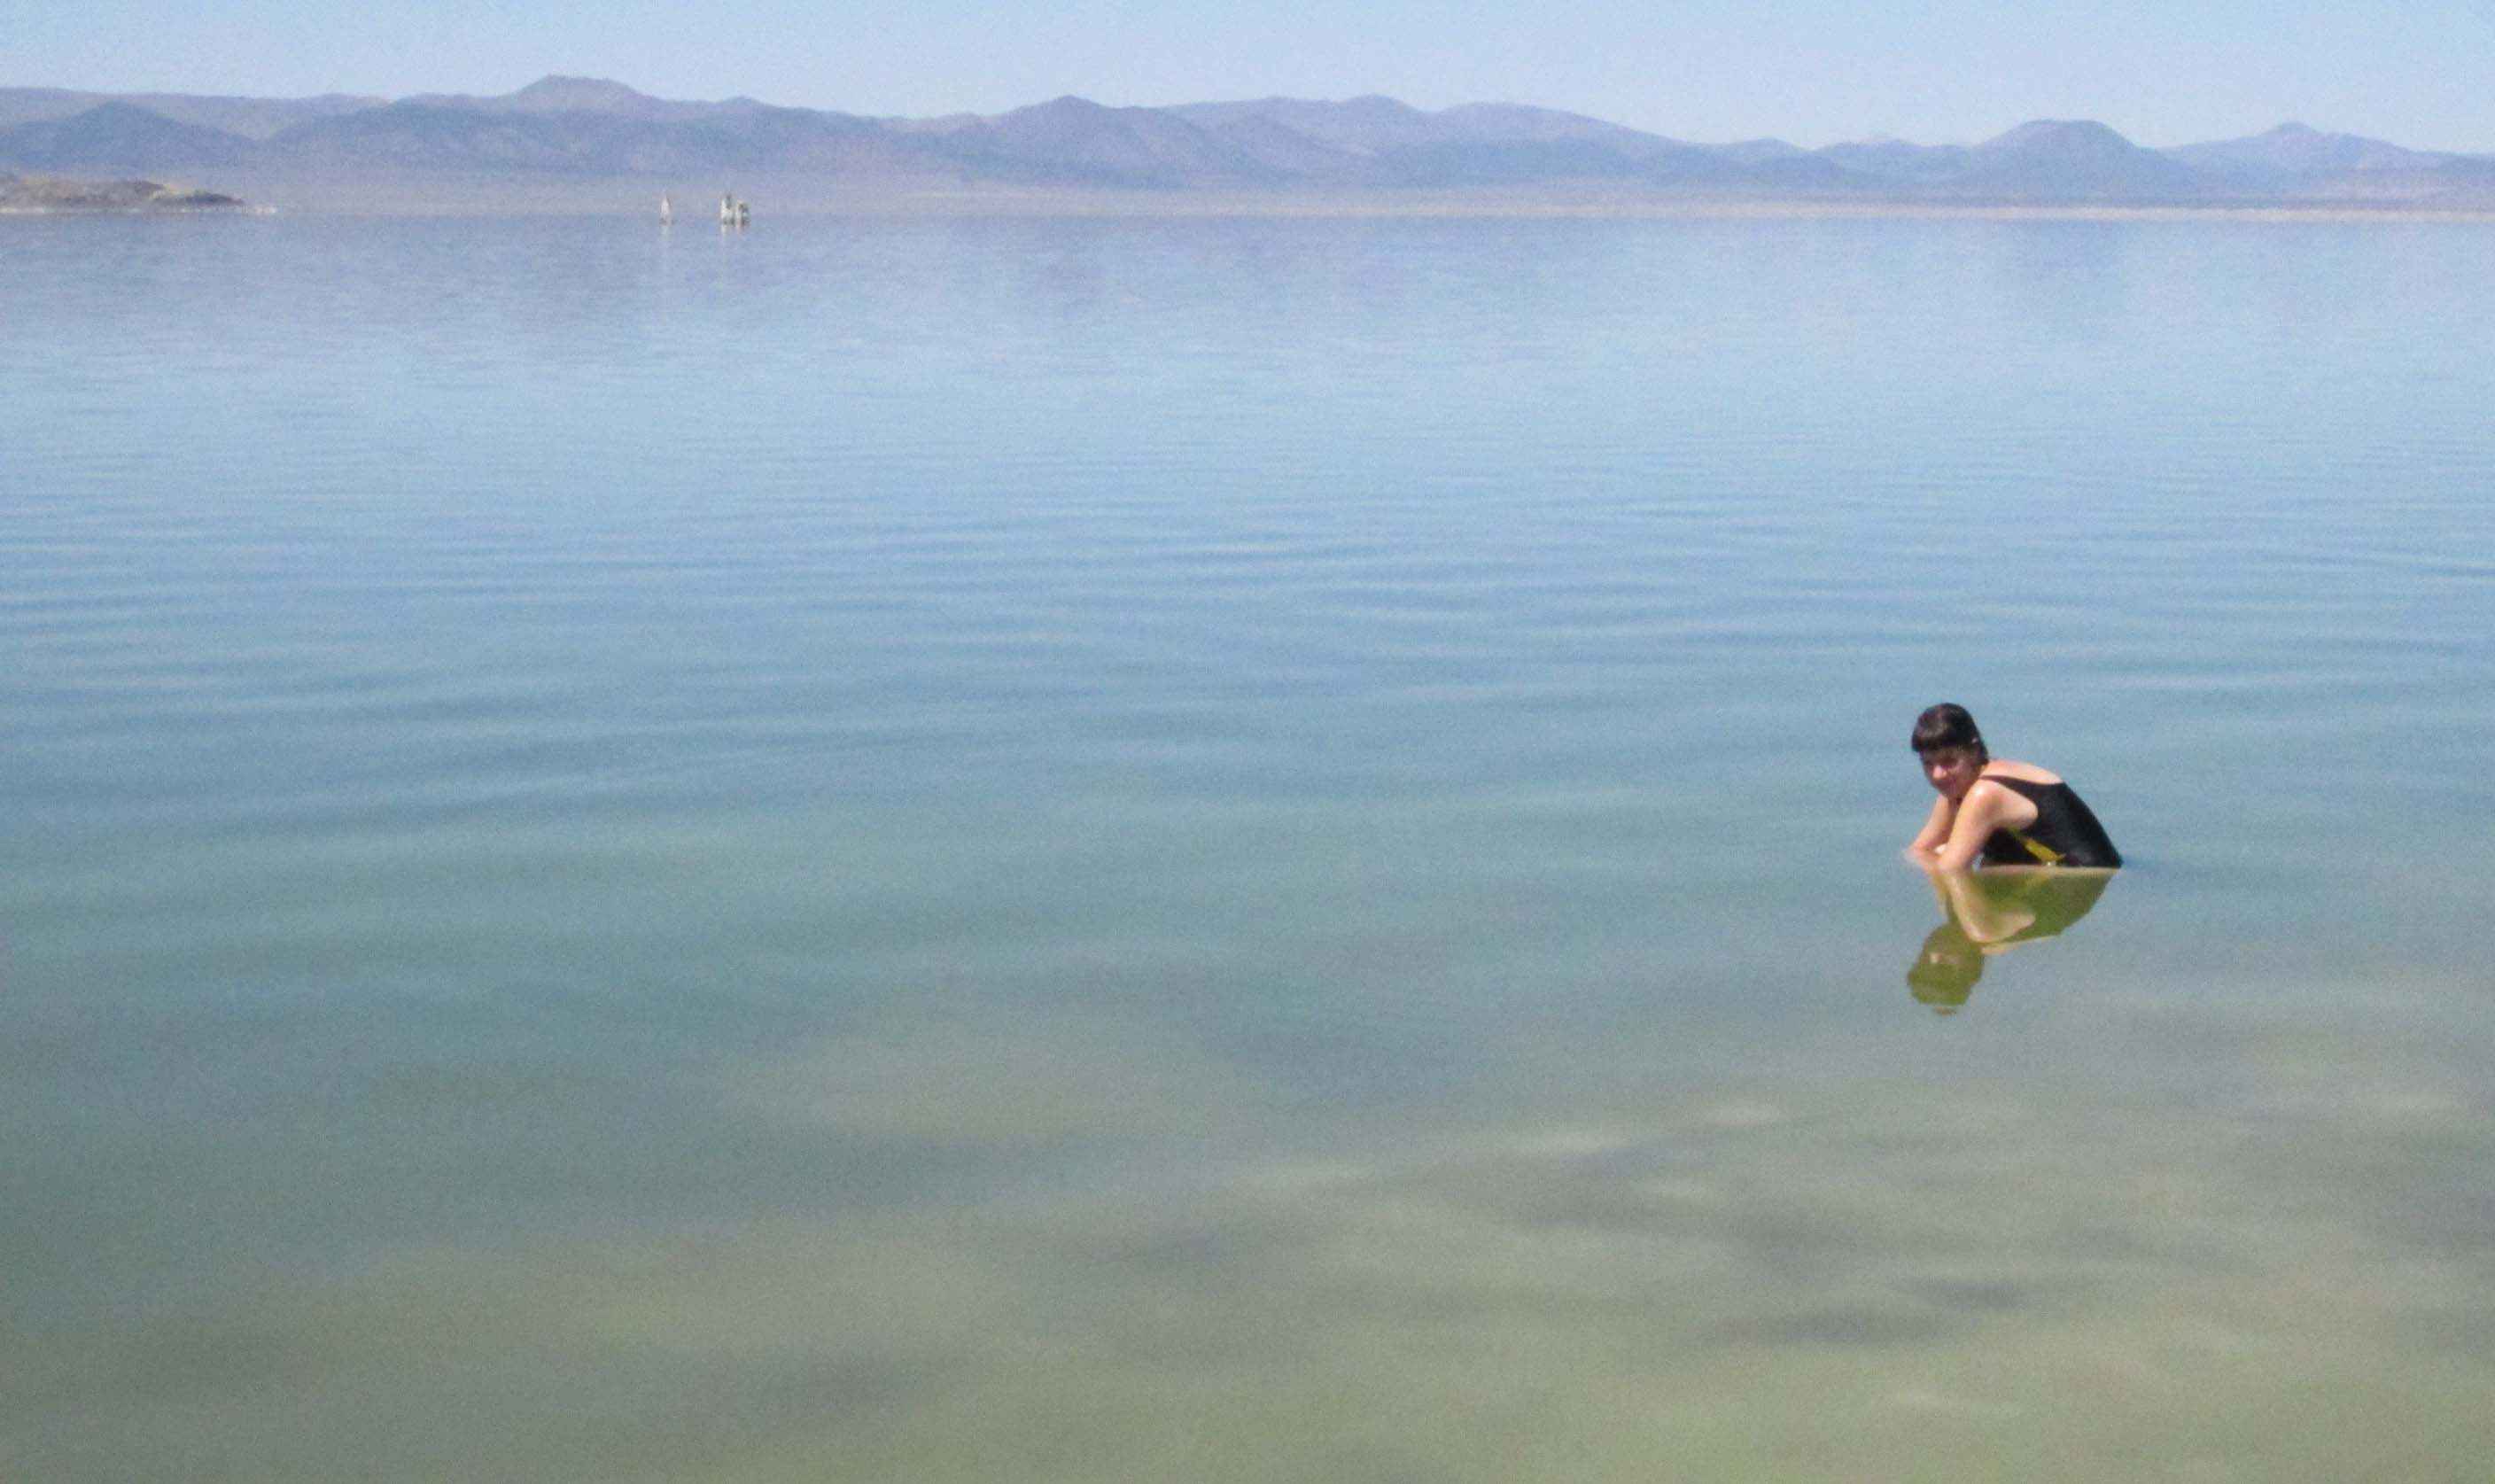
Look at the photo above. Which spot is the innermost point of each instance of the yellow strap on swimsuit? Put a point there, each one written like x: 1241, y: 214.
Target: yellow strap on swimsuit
x: 2046, y: 854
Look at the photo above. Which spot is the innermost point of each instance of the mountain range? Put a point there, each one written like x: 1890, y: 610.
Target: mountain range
x: 578, y: 129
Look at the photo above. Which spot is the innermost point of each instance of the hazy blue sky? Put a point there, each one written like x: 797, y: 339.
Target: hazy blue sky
x: 1812, y: 70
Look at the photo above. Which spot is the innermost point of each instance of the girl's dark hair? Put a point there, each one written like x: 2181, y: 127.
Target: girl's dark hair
x: 1947, y: 726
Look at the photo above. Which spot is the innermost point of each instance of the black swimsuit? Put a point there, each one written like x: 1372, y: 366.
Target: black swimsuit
x: 2065, y: 832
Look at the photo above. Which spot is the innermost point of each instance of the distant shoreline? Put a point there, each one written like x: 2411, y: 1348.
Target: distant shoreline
x: 482, y: 196
x: 1633, y: 209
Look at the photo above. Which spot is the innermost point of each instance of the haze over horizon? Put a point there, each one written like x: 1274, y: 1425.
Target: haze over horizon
x: 1949, y: 72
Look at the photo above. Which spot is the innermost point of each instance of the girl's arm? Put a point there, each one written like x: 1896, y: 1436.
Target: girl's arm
x: 1982, y: 812
x: 1935, y: 832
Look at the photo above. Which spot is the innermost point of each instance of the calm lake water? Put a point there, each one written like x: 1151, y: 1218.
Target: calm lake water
x: 1239, y: 849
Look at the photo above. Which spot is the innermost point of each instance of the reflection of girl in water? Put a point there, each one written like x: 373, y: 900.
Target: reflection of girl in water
x: 1992, y: 914
x: 1995, y: 811
x: 1945, y: 967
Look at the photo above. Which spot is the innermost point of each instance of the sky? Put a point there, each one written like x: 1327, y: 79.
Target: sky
x: 1813, y: 71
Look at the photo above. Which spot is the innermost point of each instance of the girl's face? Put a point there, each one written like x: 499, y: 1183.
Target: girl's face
x: 1952, y: 770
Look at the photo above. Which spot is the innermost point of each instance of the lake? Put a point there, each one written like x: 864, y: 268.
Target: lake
x: 1240, y: 849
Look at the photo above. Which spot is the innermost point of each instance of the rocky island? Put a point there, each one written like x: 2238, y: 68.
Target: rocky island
x: 31, y: 193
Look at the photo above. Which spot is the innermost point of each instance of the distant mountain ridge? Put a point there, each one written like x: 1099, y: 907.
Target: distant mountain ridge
x: 590, y: 128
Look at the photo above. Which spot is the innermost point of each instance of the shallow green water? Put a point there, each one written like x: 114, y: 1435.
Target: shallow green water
x: 1256, y: 850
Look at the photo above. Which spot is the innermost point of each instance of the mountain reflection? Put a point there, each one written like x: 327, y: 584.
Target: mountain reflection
x: 1990, y: 913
